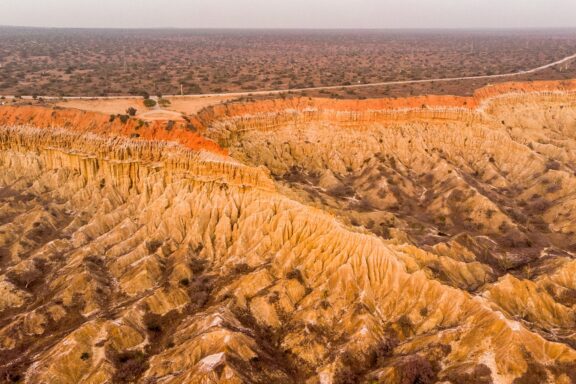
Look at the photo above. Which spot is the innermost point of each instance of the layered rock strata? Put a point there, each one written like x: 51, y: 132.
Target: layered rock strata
x: 335, y: 245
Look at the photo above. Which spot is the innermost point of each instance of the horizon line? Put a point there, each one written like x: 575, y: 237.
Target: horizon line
x: 540, y: 28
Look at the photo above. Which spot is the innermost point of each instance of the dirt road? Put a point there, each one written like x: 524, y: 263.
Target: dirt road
x: 280, y: 91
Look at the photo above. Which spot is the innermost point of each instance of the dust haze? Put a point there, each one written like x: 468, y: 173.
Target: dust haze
x: 290, y: 14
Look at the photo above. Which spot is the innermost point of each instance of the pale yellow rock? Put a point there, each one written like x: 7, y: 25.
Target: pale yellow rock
x: 198, y: 265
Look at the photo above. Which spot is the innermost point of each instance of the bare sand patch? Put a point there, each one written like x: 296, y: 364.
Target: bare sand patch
x: 111, y: 106
x: 187, y: 105
x: 160, y: 114
x: 191, y: 105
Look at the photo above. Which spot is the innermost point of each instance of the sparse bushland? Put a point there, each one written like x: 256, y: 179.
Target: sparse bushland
x: 167, y: 62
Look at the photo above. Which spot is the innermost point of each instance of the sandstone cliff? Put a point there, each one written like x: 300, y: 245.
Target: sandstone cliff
x: 338, y: 244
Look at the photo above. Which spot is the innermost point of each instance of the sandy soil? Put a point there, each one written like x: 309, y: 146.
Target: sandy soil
x: 187, y: 105
x: 111, y: 106
x: 159, y: 115
x: 192, y: 105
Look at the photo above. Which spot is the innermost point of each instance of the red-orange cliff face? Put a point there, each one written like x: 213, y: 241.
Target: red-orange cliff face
x: 99, y: 123
x: 419, y: 102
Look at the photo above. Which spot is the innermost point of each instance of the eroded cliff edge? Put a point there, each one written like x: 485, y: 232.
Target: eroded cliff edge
x: 129, y: 260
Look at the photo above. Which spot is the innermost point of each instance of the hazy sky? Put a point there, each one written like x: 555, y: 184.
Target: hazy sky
x: 290, y: 13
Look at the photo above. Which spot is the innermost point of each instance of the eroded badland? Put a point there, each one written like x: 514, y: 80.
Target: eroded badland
x: 304, y: 240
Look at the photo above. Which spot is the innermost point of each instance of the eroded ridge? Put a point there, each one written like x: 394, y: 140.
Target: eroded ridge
x: 181, y: 131
x: 140, y: 261
x: 485, y: 188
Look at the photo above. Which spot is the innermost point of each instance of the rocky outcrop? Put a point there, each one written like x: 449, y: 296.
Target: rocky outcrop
x: 420, y: 106
x: 332, y: 247
x: 182, y: 132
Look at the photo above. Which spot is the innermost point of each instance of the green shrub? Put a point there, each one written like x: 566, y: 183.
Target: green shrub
x: 149, y: 103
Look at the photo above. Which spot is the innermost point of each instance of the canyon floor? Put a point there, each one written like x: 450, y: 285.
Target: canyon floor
x: 301, y: 240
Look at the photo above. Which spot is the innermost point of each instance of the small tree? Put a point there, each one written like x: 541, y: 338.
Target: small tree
x: 131, y: 111
x: 149, y: 103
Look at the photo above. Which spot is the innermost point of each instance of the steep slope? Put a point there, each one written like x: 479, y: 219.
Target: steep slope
x: 182, y: 132
x: 336, y: 245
